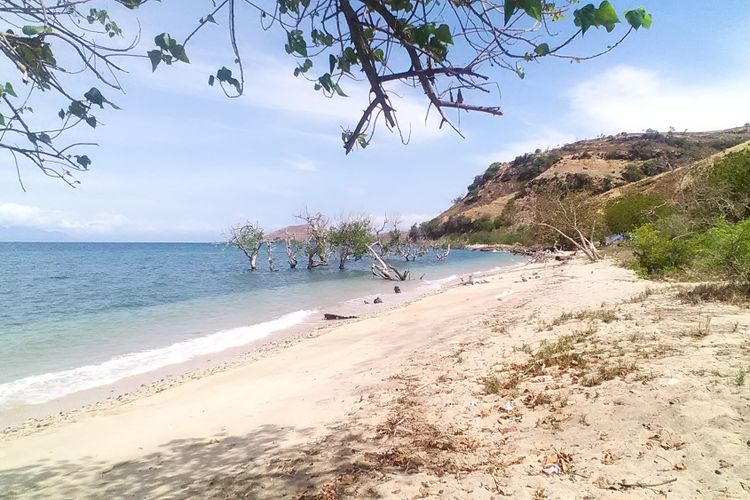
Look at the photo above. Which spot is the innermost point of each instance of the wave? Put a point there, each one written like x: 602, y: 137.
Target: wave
x: 46, y: 387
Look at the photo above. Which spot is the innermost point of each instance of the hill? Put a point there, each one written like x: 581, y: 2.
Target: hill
x: 496, y: 199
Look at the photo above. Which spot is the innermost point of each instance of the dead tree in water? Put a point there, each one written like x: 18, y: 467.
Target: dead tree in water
x: 269, y: 250
x: 318, y: 239
x: 386, y: 271
x: 380, y: 239
x: 442, y: 253
x: 292, y: 247
x: 248, y: 238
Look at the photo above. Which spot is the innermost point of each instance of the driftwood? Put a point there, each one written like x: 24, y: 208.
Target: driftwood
x: 386, y: 271
x: 329, y: 317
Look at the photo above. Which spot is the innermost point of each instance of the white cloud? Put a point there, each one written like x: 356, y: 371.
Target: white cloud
x: 302, y: 164
x: 271, y: 85
x: 631, y: 99
x: 18, y: 215
x: 405, y: 220
x: 540, y: 139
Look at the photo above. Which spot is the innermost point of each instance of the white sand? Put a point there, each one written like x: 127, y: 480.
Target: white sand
x: 394, y: 406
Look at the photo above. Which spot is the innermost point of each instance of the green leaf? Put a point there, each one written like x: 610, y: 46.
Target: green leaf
x: 533, y: 8
x: 210, y: 19
x: 332, y: 62
x: 542, y: 49
x: 443, y: 34
x: 2, y: 121
x: 35, y: 30
x: 338, y: 90
x: 178, y: 52
x: 155, y: 56
x: 520, y: 72
x: 211, y: 80
x: 77, y: 109
x: 91, y: 120
x: 9, y: 89
x: 61, y: 114
x: 638, y: 17
x: 163, y: 41
x: 607, y: 16
x: 95, y: 97
x: 45, y: 138
x: 83, y: 160
x: 588, y: 16
x: 510, y: 9
x: 585, y: 17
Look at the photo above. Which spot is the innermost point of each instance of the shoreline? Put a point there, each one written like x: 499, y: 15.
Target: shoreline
x: 29, y: 418
x: 559, y: 379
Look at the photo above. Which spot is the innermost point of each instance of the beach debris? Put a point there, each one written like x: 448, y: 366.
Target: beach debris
x: 377, y: 300
x: 367, y: 301
x: 504, y: 294
x: 623, y: 485
x: 397, y: 289
x: 507, y: 406
x: 329, y: 316
x: 557, y: 462
x: 551, y: 469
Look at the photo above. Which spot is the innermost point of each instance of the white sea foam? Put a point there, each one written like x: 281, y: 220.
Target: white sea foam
x: 38, y: 389
x: 442, y: 281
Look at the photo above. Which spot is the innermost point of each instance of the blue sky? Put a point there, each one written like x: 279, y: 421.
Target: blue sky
x: 182, y: 163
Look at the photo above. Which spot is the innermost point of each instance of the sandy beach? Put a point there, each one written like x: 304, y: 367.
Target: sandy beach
x: 552, y: 380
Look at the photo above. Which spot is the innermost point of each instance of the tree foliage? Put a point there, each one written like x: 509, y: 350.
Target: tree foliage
x: 248, y: 238
x: 443, y: 49
x: 624, y: 214
x: 351, y: 238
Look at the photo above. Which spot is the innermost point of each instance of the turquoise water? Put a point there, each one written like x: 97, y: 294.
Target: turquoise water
x: 79, y: 315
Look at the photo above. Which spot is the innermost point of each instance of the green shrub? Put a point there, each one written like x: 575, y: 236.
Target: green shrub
x: 632, y: 173
x: 483, y: 224
x: 725, y: 250
x: 501, y: 221
x: 521, y: 236
x: 654, y: 167
x: 731, y: 175
x: 657, y: 254
x: 627, y: 213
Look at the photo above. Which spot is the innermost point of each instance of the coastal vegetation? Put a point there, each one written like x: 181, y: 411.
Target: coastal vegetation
x: 446, y: 51
x: 708, y: 233
x: 349, y: 239
x: 685, y: 216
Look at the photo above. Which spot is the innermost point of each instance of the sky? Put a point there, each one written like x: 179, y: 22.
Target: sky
x: 181, y: 162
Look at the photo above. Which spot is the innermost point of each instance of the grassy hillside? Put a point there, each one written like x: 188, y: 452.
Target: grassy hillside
x: 495, y: 208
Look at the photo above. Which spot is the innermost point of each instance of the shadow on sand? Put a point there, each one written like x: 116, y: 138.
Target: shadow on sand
x: 265, y: 464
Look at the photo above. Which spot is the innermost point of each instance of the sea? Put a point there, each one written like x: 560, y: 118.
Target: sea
x: 79, y: 316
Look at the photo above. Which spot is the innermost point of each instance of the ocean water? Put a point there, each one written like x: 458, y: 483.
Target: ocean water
x: 75, y: 316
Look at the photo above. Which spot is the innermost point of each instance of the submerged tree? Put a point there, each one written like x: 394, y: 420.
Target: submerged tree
x: 292, y: 249
x: 350, y: 238
x: 443, y: 49
x: 318, y: 242
x: 248, y: 238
